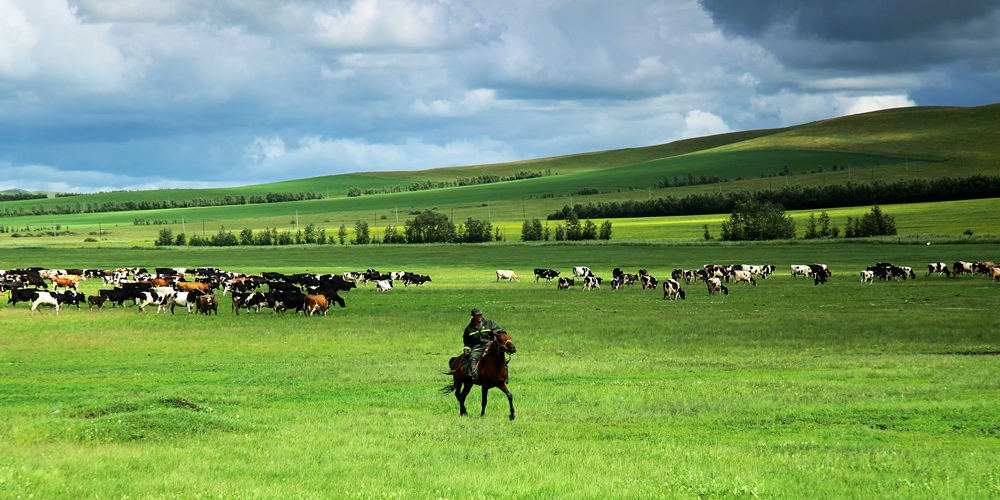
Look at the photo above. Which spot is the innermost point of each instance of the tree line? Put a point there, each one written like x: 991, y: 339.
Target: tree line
x: 124, y: 206
x: 19, y: 196
x: 462, y: 181
x: 797, y: 198
x: 427, y: 227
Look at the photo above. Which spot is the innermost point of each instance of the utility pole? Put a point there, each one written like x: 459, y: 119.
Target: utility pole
x: 296, y: 220
x: 183, y: 227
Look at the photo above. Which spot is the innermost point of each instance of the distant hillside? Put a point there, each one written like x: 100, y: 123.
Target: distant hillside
x: 940, y: 140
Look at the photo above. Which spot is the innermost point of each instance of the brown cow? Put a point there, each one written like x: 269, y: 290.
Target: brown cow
x: 155, y: 282
x: 96, y: 300
x: 65, y: 282
x: 207, y: 303
x: 315, y: 302
x: 190, y: 286
x: 996, y: 275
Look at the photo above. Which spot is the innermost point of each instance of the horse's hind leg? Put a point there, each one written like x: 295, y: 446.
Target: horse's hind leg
x: 510, y: 399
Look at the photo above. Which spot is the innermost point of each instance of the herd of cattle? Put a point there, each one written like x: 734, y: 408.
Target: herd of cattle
x: 715, y: 275
x: 167, y: 288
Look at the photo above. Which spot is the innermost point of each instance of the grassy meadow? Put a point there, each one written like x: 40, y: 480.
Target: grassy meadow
x: 784, y: 390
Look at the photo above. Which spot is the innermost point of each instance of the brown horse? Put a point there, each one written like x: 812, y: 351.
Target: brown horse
x: 492, y: 373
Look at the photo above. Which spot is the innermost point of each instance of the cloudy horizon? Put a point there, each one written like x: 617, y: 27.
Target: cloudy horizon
x: 100, y: 95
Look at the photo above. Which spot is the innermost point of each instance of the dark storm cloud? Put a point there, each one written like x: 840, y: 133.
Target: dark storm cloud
x: 900, y: 35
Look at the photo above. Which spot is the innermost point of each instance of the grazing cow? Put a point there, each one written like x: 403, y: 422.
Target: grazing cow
x: 983, y: 268
x: 996, y: 275
x: 677, y: 274
x: 801, y: 269
x: 507, y: 274
x: 617, y: 273
x: 938, y: 267
x: 616, y: 282
x: 591, y: 282
x: 868, y: 277
x: 314, y: 303
x: 672, y: 289
x: 700, y: 275
x: 648, y: 282
x: 820, y: 273
x: 721, y: 272
x: 548, y: 274
x: 581, y: 271
x: 961, y: 268
x: 383, y: 286
x: 207, y: 303
x: 767, y: 270
x: 629, y: 279
x: 184, y: 299
x: 284, y: 301
x: 188, y: 286
x: 715, y: 285
x: 739, y: 276
x: 96, y: 300
x: 565, y: 283
x: 44, y: 299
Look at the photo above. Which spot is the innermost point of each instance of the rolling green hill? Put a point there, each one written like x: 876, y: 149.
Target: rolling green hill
x: 922, y: 142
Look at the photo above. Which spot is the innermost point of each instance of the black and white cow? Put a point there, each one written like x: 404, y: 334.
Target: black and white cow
x: 581, y: 272
x: 565, y: 283
x: 961, y: 268
x: 715, y: 285
x: 648, y: 281
x: 591, y: 283
x: 547, y: 274
x: 867, y: 277
x: 939, y: 268
x: 798, y: 269
x: 672, y: 289
x: 739, y: 276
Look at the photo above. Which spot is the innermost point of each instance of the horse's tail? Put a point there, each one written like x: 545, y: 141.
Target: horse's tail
x: 454, y: 386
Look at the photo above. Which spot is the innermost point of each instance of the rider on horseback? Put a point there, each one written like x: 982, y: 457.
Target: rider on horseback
x: 477, y: 334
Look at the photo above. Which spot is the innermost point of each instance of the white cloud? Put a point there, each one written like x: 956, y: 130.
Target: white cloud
x: 402, y: 24
x: 698, y: 123
x: 865, y: 104
x: 474, y: 101
x: 42, y: 43
x: 46, y: 178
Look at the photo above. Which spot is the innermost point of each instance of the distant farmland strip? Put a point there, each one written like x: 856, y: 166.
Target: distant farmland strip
x: 797, y: 198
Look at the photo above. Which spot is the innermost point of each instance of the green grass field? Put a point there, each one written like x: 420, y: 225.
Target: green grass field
x: 785, y: 390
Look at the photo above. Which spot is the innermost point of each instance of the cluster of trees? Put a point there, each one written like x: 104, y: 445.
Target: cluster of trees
x: 122, y: 206
x: 690, y: 180
x: 462, y: 181
x: 574, y: 231
x: 427, y: 227
x: 18, y: 196
x: 247, y: 237
x: 874, y: 223
x: 755, y: 220
x: 798, y: 198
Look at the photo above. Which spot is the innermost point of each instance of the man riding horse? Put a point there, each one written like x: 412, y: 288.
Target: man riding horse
x: 477, y: 334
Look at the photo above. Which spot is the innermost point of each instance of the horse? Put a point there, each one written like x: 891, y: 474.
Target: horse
x: 492, y: 373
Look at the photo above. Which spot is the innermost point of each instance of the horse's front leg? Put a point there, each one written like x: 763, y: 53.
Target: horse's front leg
x: 510, y: 399
x: 486, y: 390
x: 460, y: 394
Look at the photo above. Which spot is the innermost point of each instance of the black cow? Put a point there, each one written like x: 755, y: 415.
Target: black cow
x: 284, y: 301
x: 416, y: 280
x: 22, y: 295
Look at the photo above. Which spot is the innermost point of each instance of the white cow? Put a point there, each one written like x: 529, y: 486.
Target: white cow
x: 739, y: 276
x: 383, y: 286
x: 507, y: 274
x: 868, y: 277
x: 715, y: 285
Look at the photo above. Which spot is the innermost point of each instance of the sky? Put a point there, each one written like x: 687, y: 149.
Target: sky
x: 100, y: 95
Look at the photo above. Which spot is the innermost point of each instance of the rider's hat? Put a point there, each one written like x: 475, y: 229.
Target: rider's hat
x: 477, y: 312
